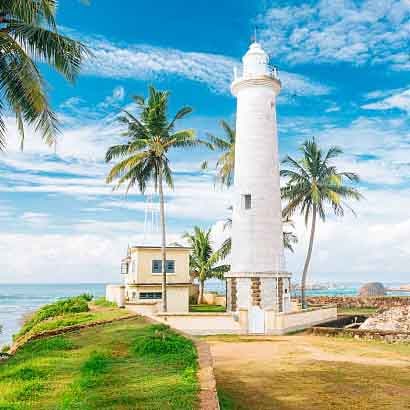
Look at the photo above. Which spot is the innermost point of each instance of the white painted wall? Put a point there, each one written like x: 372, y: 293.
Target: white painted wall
x: 257, y: 232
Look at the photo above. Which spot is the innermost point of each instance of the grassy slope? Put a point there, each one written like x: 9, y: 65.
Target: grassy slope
x: 97, y: 368
x: 290, y: 378
x: 95, y: 314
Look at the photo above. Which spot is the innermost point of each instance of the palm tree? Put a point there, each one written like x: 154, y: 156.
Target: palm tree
x: 204, y: 260
x: 28, y: 33
x: 144, y: 157
x: 226, y: 162
x: 312, y: 184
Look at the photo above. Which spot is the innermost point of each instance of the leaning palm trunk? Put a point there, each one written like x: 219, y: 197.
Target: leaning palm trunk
x: 308, y: 256
x: 163, y: 243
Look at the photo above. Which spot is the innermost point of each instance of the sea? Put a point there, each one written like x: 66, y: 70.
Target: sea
x: 17, y: 300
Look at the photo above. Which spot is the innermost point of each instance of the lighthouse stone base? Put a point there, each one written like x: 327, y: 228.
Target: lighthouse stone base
x: 255, y: 298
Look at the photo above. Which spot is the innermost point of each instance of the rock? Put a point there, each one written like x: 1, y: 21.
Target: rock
x: 396, y: 319
x: 372, y: 289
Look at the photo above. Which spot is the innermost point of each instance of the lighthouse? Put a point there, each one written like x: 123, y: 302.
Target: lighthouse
x: 258, y: 282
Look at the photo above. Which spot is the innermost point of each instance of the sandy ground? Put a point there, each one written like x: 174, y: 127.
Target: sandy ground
x: 284, y: 372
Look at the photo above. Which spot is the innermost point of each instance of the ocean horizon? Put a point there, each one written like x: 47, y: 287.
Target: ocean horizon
x: 18, y: 300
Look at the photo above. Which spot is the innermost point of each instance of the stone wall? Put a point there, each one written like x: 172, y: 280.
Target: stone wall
x: 382, y: 302
x: 388, y: 337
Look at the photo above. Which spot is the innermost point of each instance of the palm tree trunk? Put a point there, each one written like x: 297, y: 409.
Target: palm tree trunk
x: 201, y: 292
x: 308, y: 257
x: 163, y: 242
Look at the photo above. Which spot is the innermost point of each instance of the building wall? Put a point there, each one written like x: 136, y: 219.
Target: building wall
x: 257, y: 232
x: 144, y: 258
x: 280, y: 323
x: 177, y: 298
x: 202, y: 323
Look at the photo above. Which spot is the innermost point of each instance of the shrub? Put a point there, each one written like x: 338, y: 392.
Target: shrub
x: 5, y: 349
x: 70, y: 305
x: 161, y: 341
x: 88, y: 297
x: 103, y: 302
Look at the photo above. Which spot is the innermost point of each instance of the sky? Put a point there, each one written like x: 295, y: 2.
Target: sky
x: 345, y: 71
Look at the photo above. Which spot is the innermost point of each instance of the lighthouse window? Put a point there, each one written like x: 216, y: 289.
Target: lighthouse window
x: 247, y: 201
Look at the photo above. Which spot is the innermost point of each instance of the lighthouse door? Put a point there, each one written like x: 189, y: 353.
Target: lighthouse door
x: 256, y: 320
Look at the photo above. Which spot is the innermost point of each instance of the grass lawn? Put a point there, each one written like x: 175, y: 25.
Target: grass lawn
x: 206, y: 308
x: 356, y: 311
x: 310, y: 372
x: 122, y: 365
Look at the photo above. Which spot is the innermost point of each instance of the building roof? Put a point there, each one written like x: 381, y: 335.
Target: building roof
x: 171, y: 246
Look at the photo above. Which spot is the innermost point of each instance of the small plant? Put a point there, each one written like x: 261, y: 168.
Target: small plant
x: 5, y: 349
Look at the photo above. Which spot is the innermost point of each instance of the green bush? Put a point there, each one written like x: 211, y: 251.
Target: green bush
x: 88, y: 297
x: 103, y: 302
x: 161, y: 341
x: 5, y: 349
x: 70, y: 305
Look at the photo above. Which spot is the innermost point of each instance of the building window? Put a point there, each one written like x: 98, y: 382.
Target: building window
x: 247, y: 201
x: 150, y: 295
x: 170, y: 266
x: 157, y: 266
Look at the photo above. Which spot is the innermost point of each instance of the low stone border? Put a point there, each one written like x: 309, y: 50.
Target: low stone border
x: 55, y: 332
x: 386, y: 336
x: 208, y: 395
x: 378, y: 302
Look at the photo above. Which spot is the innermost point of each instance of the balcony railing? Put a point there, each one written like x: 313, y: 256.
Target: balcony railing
x: 273, y: 72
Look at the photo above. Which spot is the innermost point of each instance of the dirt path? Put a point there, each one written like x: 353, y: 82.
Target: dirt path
x: 310, y: 372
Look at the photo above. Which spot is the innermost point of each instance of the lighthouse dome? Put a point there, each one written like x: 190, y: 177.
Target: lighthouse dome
x: 255, y: 61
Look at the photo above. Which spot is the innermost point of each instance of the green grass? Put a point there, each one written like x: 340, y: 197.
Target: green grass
x: 106, y: 367
x: 68, y: 312
x: 206, y: 308
x: 357, y: 311
x: 61, y: 307
x: 104, y: 302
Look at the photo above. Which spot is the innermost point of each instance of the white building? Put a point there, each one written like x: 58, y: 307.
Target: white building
x: 258, y: 281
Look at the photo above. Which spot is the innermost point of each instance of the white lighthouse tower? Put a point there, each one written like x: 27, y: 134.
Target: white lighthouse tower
x: 258, y: 282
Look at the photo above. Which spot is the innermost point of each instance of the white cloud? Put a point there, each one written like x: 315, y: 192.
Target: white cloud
x: 330, y: 31
x: 140, y: 61
x: 373, y: 246
x: 400, y: 101
x: 36, y: 219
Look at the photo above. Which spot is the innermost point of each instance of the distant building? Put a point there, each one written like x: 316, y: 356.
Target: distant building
x: 142, y: 271
x: 372, y: 289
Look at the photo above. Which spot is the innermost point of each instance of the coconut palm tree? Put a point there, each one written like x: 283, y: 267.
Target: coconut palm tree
x: 313, y: 183
x: 144, y: 156
x: 204, y: 260
x: 226, y: 162
x: 29, y: 34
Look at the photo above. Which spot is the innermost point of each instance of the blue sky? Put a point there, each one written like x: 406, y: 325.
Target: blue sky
x: 345, y: 68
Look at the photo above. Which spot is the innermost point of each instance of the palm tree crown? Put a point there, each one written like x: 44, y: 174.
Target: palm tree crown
x: 312, y: 184
x: 144, y: 157
x: 204, y: 260
x: 28, y: 32
x: 226, y: 162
